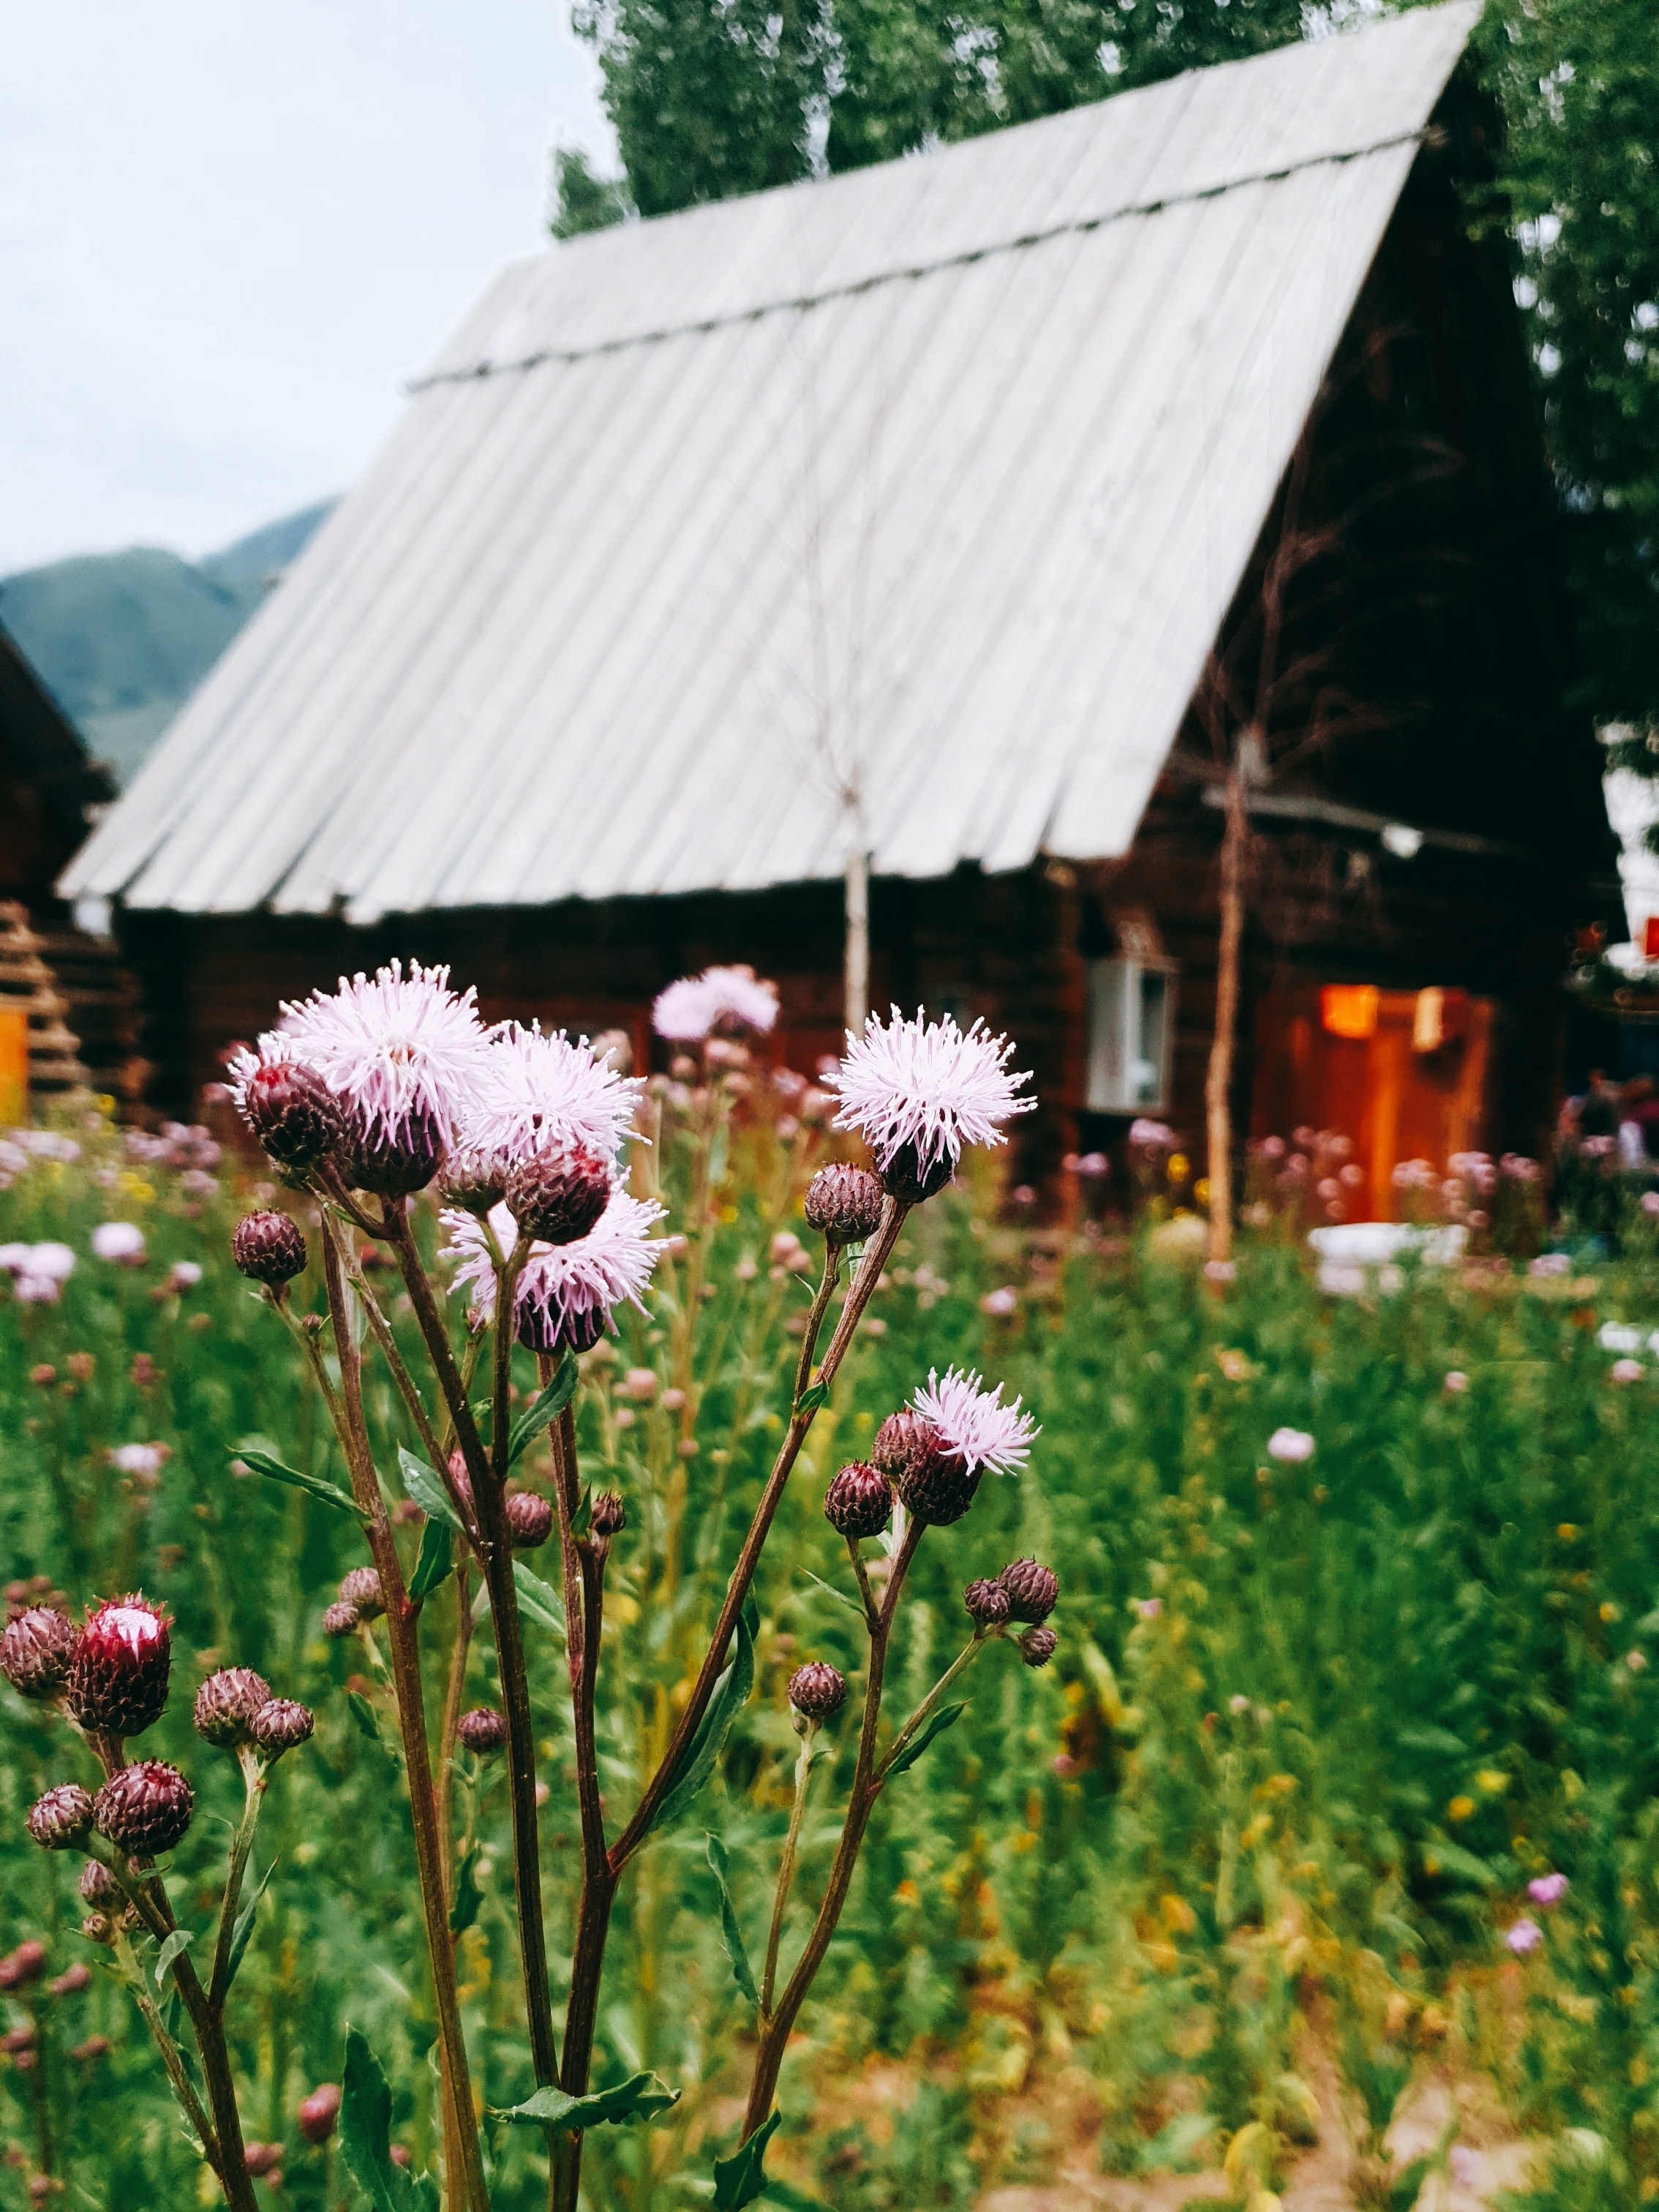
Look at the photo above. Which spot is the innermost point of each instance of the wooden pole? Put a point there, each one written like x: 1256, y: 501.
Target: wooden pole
x: 856, y: 957
x: 1218, y: 1081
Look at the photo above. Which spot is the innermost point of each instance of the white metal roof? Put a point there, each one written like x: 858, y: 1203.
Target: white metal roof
x: 937, y: 478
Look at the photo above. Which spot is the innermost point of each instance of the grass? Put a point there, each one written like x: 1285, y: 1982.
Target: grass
x: 1266, y: 1819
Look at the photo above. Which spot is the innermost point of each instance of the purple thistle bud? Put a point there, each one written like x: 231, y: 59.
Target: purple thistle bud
x: 117, y: 1679
x: 529, y: 1520
x: 269, y: 1248
x: 35, y: 1652
x: 481, y: 1731
x: 61, y: 1818
x: 843, y: 1204
x: 341, y: 1620
x: 1036, y: 1646
x: 279, y: 1725
x: 936, y: 1484
x: 906, y: 1440
x: 72, y: 1980
x: 816, y: 1690
x: 293, y: 1113
x: 474, y: 1179
x: 905, y: 1178
x: 859, y: 1502
x: 988, y: 1604
x: 558, y: 1195
x: 610, y: 1515
x: 1032, y: 1591
x: 97, y: 1884
x: 144, y: 1809
x: 546, y: 1330
x: 226, y: 1703
x: 319, y: 2112
x: 96, y: 1928
x: 362, y: 1589
x: 23, y: 1965
x: 392, y: 1166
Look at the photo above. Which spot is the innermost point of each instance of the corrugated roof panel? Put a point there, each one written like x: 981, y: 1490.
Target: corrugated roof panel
x: 964, y: 520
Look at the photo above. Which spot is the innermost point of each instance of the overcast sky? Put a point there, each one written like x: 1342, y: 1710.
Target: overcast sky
x: 230, y: 228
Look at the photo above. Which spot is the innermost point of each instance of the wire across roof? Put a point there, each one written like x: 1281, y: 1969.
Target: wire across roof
x: 900, y: 508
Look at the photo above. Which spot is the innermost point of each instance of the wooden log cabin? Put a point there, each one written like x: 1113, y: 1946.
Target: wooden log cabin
x: 69, y: 1010
x: 976, y: 516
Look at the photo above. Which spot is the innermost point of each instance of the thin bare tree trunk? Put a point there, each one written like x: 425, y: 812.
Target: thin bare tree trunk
x: 1218, y: 1085
x: 856, y: 958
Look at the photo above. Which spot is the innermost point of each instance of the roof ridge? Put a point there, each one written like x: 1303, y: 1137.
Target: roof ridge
x: 1076, y: 226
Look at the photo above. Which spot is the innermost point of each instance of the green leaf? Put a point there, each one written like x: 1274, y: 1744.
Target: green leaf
x: 468, y: 1895
x: 641, y: 2097
x: 1425, y: 1736
x: 367, y: 1720
x: 436, y: 1562
x: 791, y: 2198
x: 740, y: 2179
x: 812, y: 1399
x: 946, y: 1717
x: 426, y: 1488
x: 242, y: 1934
x: 170, y: 1950
x: 830, y: 1590
x: 330, y: 1494
x: 548, y: 1407
x: 741, y: 1972
x: 543, y: 1605
x: 731, y: 1693
x: 365, y: 2134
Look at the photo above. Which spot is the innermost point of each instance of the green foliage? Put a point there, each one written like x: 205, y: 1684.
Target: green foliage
x: 641, y: 2097
x: 366, y: 2135
x: 582, y: 200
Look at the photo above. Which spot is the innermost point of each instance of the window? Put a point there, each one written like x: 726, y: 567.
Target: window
x: 1131, y: 1021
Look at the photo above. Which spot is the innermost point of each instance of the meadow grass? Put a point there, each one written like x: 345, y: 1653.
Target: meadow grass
x: 1262, y: 1826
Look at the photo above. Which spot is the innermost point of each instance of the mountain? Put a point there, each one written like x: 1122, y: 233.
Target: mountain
x: 121, y: 640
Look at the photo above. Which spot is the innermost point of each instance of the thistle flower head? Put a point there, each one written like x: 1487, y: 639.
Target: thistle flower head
x: 720, y: 1001
x: 919, y: 1090
x: 1033, y: 1590
x: 226, y: 1704
x: 816, y: 1690
x: 401, y: 1052
x: 62, y: 1817
x: 341, y: 1619
x: 97, y: 1884
x: 859, y: 1502
x: 988, y: 1604
x: 117, y: 1681
x: 529, y: 1520
x: 843, y: 1204
x: 975, y: 1424
x: 361, y: 1589
x: 532, y: 1091
x: 144, y: 1809
x: 279, y: 1725
x: 269, y: 1248
x: 288, y: 1107
x: 35, y: 1652
x: 565, y: 1292
x: 318, y: 2113
x: 1037, y: 1645
x: 559, y: 1194
x: 481, y: 1731
x: 609, y: 1516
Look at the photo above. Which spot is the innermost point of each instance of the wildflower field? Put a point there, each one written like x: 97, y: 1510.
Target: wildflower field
x: 1335, y: 1805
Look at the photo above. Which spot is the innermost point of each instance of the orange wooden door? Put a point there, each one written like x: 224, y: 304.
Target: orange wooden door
x: 1403, y: 1073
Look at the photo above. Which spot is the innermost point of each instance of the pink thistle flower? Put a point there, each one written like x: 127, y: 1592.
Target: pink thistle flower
x: 919, y: 1090
x: 1650, y: 1202
x: 565, y: 1291
x: 144, y: 1461
x: 975, y: 1424
x: 1456, y: 1382
x: 1525, y: 1935
x: 1293, y: 1446
x: 720, y: 999
x: 1149, y: 1608
x: 1548, y: 1889
x: 120, y: 1241
x: 1627, y: 1370
x: 402, y: 1052
x: 531, y: 1091
x: 1000, y: 1303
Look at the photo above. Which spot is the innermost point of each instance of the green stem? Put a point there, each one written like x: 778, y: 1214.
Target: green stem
x: 804, y: 1765
x: 963, y: 1658
x: 253, y: 1784
x: 172, y: 2058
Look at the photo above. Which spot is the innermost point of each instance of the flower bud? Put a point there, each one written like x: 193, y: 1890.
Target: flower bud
x: 362, y: 1589
x: 816, y: 1690
x: 97, y: 1884
x: 97, y: 1927
x: 905, y: 1179
x: 35, y: 1652
x: 279, y: 1725
x: 843, y: 1204
x: 859, y: 1502
x: 934, y: 1482
x: 117, y: 1679
x: 529, y: 1520
x: 261, y: 2159
x: 473, y: 1179
x: 557, y: 1196
x: 72, y: 1981
x: 341, y: 1620
x: 1032, y: 1591
x: 392, y: 1167
x: 481, y: 1731
x: 293, y: 1113
x: 25, y: 1965
x: 1036, y: 1646
x: 609, y: 1516
x: 269, y: 1248
x: 319, y: 2112
x: 988, y: 1604
x: 226, y: 1703
x: 546, y: 1328
x: 62, y: 1817
x: 95, y: 2046
x: 144, y: 1809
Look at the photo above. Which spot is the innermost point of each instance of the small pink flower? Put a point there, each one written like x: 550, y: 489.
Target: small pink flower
x: 1548, y: 1888
x: 531, y: 1090
x: 1149, y: 1608
x: 401, y: 1050
x: 1651, y: 1203
x: 1291, y: 1445
x: 927, y: 1087
x: 720, y: 999
x: 1635, y: 1661
x: 122, y: 1241
x: 1525, y: 1935
x: 1627, y: 1370
x: 1000, y: 1303
x: 1457, y: 1382
x: 1220, y: 1271
x: 975, y: 1424
x: 184, y: 1275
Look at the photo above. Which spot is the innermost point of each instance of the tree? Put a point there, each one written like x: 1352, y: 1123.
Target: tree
x: 582, y: 200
